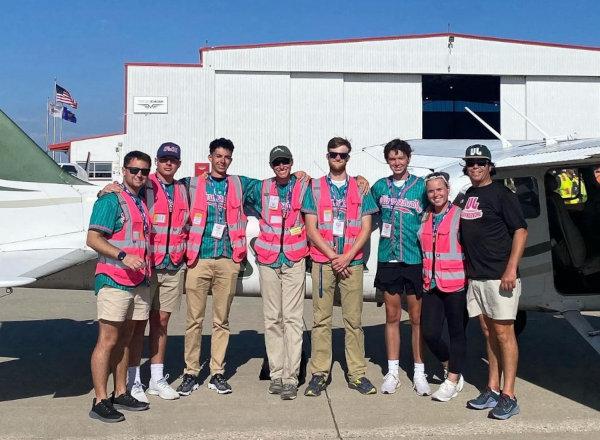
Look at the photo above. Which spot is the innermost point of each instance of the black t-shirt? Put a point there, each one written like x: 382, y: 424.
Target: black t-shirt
x: 489, y: 218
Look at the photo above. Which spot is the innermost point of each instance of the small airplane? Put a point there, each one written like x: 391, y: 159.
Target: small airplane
x: 44, y: 214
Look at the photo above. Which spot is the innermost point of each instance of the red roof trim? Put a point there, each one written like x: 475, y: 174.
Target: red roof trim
x: 398, y: 37
x: 67, y: 144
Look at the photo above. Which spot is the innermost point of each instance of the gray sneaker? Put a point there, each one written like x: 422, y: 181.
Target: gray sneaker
x: 487, y: 399
x: 276, y: 386
x: 505, y: 409
x: 289, y: 391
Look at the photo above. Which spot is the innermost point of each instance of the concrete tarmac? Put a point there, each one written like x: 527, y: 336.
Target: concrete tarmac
x: 46, y: 338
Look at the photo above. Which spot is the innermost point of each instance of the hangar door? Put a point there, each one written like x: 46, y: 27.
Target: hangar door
x: 444, y: 100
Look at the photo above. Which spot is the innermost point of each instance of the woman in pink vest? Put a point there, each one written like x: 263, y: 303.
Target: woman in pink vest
x: 444, y: 284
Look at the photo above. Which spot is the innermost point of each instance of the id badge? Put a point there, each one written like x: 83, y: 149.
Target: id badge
x: 327, y: 215
x: 217, y: 231
x: 159, y: 218
x: 273, y: 202
x: 338, y: 227
x: 275, y: 220
x: 197, y: 220
x: 386, y: 230
x: 296, y: 230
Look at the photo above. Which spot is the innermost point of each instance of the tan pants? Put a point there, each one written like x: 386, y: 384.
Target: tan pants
x: 218, y: 276
x: 282, y: 291
x: 351, y: 290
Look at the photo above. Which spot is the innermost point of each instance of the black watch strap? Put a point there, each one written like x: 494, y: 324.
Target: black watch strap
x: 122, y: 255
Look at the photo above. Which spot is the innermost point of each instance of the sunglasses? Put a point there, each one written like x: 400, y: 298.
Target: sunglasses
x: 135, y: 170
x: 479, y: 162
x: 281, y: 161
x: 168, y: 159
x: 343, y: 156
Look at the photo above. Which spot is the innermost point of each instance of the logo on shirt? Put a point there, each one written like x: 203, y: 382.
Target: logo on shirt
x: 216, y: 200
x: 400, y: 204
x: 471, y: 210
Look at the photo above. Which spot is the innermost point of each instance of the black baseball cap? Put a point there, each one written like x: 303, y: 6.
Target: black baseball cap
x: 280, y: 152
x: 478, y: 151
x: 169, y: 149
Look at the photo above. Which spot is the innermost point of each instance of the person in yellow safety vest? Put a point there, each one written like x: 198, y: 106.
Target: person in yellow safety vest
x: 571, y: 188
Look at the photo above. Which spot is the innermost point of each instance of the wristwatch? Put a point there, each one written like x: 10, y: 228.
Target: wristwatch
x: 122, y: 255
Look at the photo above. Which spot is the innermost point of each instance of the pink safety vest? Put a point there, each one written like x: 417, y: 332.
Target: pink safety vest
x: 234, y: 215
x: 132, y: 241
x: 324, y: 204
x: 288, y: 233
x: 169, y: 229
x: 449, y: 270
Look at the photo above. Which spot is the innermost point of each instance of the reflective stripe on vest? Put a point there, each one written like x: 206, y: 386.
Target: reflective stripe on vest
x: 270, y: 241
x: 132, y: 241
x: 449, y: 257
x: 234, y: 216
x: 353, y: 220
x: 161, y: 234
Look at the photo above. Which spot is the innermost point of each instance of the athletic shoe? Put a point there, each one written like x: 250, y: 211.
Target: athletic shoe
x: 447, y: 390
x: 505, y: 409
x: 362, y: 385
x: 104, y: 411
x: 137, y: 392
x: 390, y: 384
x: 188, y: 384
x: 219, y: 384
x: 420, y: 384
x: 461, y: 384
x: 487, y: 399
x: 276, y: 386
x: 162, y: 389
x: 128, y: 403
x: 317, y: 384
x: 289, y: 391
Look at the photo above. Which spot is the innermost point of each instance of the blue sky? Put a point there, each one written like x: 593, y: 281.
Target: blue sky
x: 86, y: 44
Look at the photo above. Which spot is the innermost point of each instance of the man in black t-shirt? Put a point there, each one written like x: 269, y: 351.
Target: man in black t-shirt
x: 493, y: 233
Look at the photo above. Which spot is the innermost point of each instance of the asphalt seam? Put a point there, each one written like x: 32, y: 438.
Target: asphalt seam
x: 335, y: 424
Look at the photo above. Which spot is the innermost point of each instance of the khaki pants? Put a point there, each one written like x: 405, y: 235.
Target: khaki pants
x: 218, y: 276
x: 351, y: 290
x: 167, y: 288
x: 282, y: 291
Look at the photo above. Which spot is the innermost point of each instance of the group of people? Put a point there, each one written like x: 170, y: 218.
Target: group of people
x: 156, y: 235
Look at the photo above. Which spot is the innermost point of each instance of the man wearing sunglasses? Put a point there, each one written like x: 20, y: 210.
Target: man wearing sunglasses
x: 338, y: 223
x: 493, y: 232
x: 120, y: 232
x: 281, y: 248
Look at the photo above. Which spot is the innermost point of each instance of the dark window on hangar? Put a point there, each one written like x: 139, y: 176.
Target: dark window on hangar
x: 444, y: 100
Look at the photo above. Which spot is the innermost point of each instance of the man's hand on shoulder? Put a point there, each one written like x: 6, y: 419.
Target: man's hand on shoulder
x: 114, y: 187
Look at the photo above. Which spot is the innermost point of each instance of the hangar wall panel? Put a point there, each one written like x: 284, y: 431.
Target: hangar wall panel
x: 513, y: 90
x: 564, y: 105
x: 378, y: 108
x: 252, y: 109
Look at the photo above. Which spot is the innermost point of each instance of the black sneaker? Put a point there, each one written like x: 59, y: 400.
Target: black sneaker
x: 127, y: 402
x: 188, y: 384
x: 104, y: 411
x: 219, y: 384
x: 275, y: 386
x: 289, y: 391
x: 487, y: 399
x: 317, y: 384
x: 505, y: 409
x: 362, y: 385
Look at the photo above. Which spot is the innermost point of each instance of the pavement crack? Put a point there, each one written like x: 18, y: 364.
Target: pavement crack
x: 337, y: 428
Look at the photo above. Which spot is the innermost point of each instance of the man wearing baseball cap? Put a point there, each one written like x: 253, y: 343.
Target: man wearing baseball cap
x: 493, y: 232
x: 281, y: 248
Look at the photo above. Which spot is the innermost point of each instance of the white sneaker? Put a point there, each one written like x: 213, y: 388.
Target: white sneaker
x: 420, y: 384
x: 137, y: 392
x: 447, y: 390
x: 390, y: 384
x: 162, y: 389
x: 460, y: 384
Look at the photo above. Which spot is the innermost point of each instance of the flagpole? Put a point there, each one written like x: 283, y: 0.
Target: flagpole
x: 54, y: 119
x: 47, y: 123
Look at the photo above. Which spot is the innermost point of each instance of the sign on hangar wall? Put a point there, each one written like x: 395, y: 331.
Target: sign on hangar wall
x: 150, y: 104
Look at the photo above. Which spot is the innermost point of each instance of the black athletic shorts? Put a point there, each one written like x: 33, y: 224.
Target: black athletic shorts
x: 400, y: 278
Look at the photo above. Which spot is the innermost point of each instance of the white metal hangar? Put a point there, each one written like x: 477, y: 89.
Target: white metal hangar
x: 368, y: 90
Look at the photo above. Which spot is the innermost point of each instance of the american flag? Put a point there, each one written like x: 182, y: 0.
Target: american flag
x: 63, y: 95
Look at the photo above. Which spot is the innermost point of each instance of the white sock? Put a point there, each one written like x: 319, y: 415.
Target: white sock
x: 133, y: 375
x: 419, y: 368
x: 393, y: 366
x: 156, y: 372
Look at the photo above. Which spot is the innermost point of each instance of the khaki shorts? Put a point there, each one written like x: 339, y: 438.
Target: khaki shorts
x: 118, y: 305
x: 167, y: 288
x: 485, y: 297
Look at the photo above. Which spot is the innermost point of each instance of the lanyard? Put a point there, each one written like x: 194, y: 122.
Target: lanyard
x: 396, y: 193
x: 140, y: 207
x: 435, y: 225
x: 169, y: 198
x: 219, y: 203
x: 339, y: 205
x: 287, y: 205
